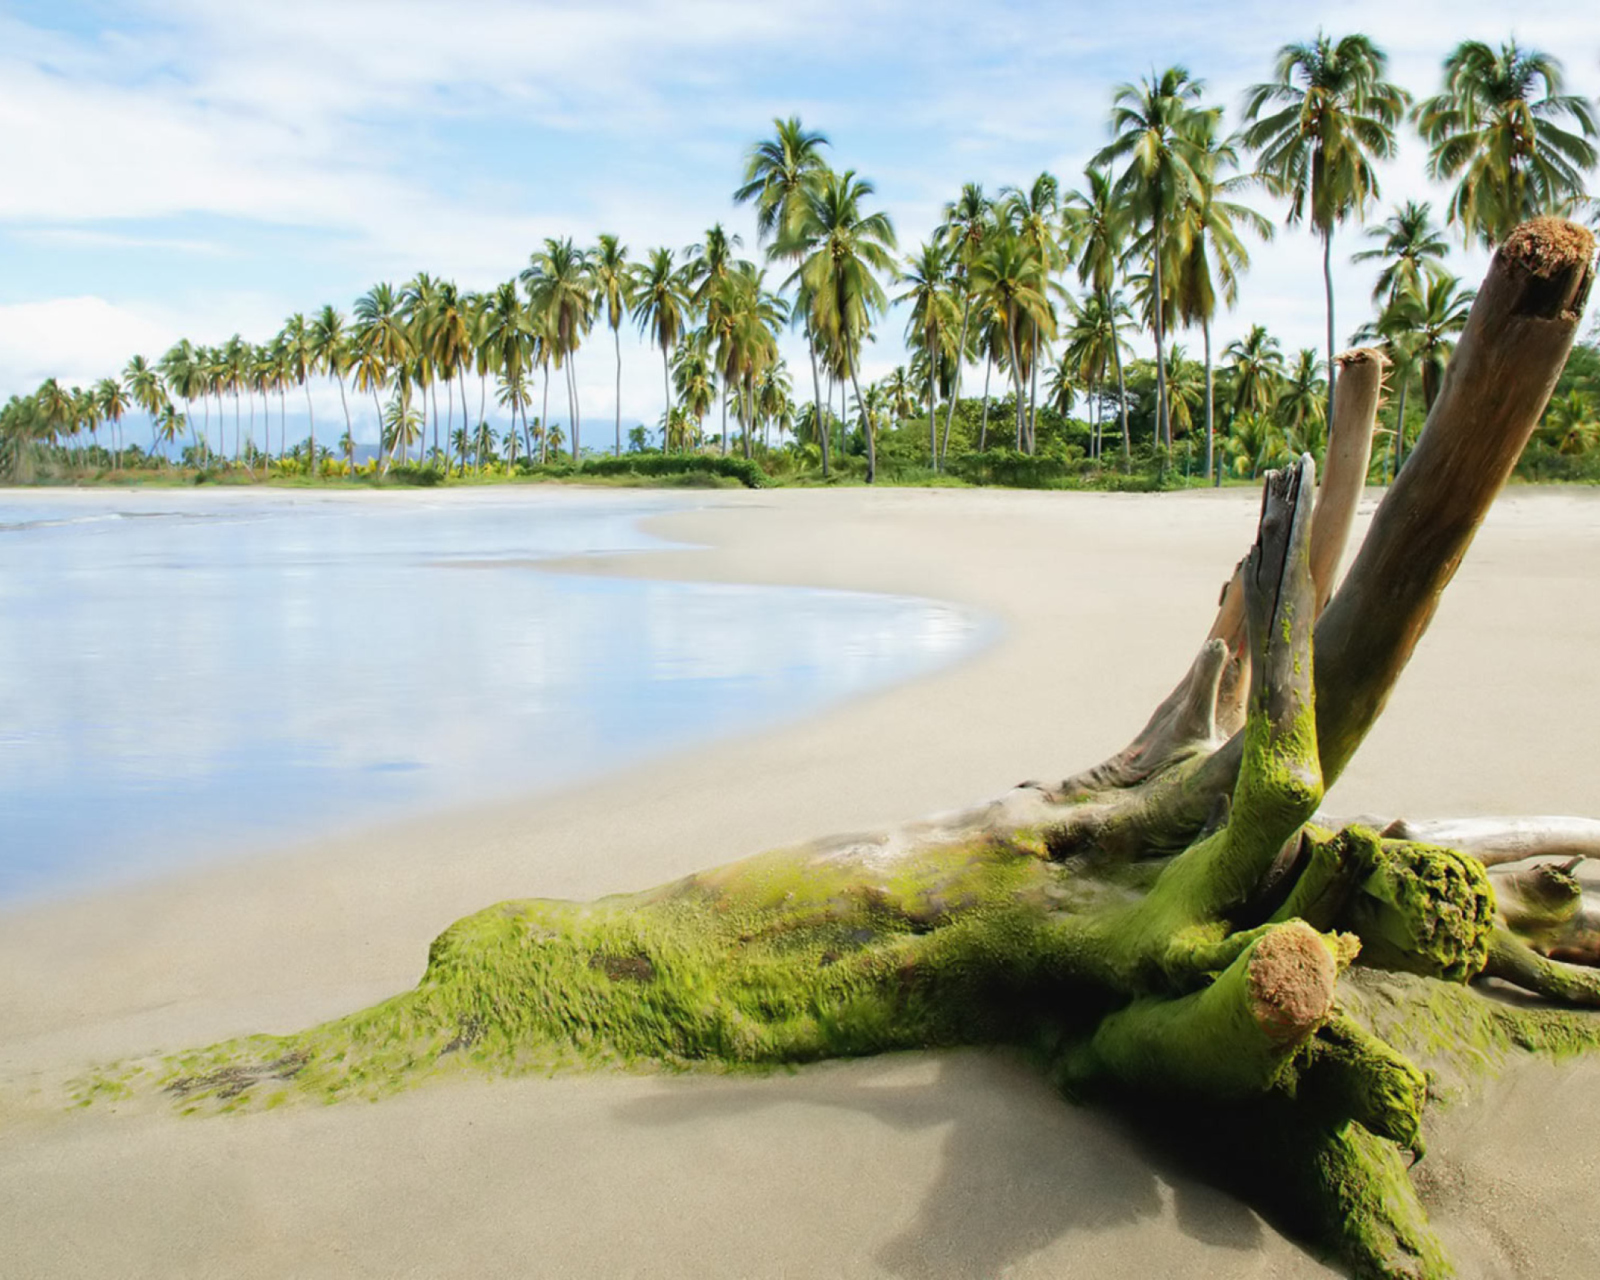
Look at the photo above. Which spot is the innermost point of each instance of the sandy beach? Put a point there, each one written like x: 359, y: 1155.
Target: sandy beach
x: 940, y: 1165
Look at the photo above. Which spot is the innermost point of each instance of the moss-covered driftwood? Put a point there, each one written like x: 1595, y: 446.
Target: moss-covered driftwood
x: 1175, y: 931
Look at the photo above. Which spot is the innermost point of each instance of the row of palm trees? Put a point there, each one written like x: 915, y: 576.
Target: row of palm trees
x: 1154, y: 238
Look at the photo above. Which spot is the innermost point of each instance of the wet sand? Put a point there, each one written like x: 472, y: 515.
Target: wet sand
x: 916, y: 1165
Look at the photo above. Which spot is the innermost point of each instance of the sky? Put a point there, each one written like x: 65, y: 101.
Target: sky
x: 198, y: 168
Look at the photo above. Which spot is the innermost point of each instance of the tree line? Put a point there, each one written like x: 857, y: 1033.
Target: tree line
x: 1034, y: 279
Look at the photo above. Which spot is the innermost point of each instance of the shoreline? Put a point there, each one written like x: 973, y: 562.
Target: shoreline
x: 1104, y: 600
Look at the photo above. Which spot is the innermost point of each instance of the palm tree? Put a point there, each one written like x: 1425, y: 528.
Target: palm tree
x: 506, y: 349
x: 706, y: 267
x: 169, y: 425
x: 1334, y: 115
x: 330, y: 352
x: 1437, y: 315
x: 967, y: 222
x: 1096, y: 223
x: 234, y: 370
x: 182, y: 370
x: 419, y: 305
x: 557, y: 281
x: 755, y: 316
x: 1495, y: 126
x: 1091, y: 347
x: 451, y: 346
x: 611, y: 275
x: 1257, y: 364
x: 1152, y: 130
x: 1408, y: 245
x: 932, y: 318
x: 382, y: 344
x: 1011, y: 278
x: 1571, y: 423
x: 297, y: 340
x: 779, y: 176
x: 660, y: 305
x: 1033, y: 215
x: 1206, y: 249
x: 844, y: 248
x: 1301, y: 406
x: 143, y: 383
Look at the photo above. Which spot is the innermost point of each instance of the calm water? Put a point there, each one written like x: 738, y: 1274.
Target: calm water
x: 182, y: 674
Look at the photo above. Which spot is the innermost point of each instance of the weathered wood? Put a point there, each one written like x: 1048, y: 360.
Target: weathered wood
x: 1495, y: 390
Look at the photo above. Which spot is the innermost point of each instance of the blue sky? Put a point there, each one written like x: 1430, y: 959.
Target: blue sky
x: 196, y: 168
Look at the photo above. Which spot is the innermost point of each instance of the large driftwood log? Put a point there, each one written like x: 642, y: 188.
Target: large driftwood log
x: 1172, y: 930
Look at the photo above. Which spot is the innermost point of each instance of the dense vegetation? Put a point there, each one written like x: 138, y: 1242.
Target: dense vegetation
x: 1030, y: 295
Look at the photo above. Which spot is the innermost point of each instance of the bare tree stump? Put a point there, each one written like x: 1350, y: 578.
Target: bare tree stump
x: 1170, y: 930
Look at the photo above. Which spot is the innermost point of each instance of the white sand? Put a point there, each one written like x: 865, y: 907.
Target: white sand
x: 918, y: 1165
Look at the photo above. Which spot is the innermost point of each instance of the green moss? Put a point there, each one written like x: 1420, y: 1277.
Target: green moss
x: 1423, y: 909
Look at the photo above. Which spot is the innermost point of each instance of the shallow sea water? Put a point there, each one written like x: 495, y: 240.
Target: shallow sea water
x: 187, y: 674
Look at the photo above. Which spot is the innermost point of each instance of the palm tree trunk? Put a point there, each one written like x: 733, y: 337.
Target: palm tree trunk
x: 577, y: 401
x: 1398, y: 451
x: 1016, y: 374
x: 544, y: 419
x: 1327, y: 286
x: 816, y: 392
x: 1122, y: 386
x: 345, y: 405
x: 933, y: 409
x: 749, y: 412
x: 311, y: 437
x: 666, y: 391
x: 983, y: 428
x: 252, y: 428
x: 866, y: 422
x: 1163, y: 416
x: 961, y: 357
x: 725, y: 417
x: 1033, y: 394
x: 1205, y: 329
x: 378, y: 405
x: 617, y: 340
x: 283, y: 421
x: 433, y: 400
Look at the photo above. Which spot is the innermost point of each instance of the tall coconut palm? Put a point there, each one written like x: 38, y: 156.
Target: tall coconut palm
x: 1208, y: 254
x: 780, y: 174
x: 557, y: 281
x: 1011, y: 278
x: 111, y: 404
x: 450, y: 343
x: 1096, y: 223
x: 1257, y: 364
x: 297, y: 340
x: 234, y: 374
x: 143, y: 383
x: 183, y: 372
x: 419, y: 302
x: 1497, y: 127
x: 1436, y: 314
x: 611, y: 276
x: 967, y: 222
x: 1332, y: 117
x: 661, y: 306
x: 506, y: 349
x: 1408, y: 244
x: 1301, y: 406
x: 382, y: 343
x: 1152, y: 136
x: 755, y: 316
x: 932, y: 321
x: 330, y: 352
x: 169, y: 425
x: 845, y: 248
x: 1034, y: 215
x: 1091, y: 348
x: 707, y: 268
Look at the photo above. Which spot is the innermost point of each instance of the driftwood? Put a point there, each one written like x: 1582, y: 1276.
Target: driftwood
x: 1174, y: 931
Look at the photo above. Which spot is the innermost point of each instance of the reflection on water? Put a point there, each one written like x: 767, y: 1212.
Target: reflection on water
x: 185, y: 672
